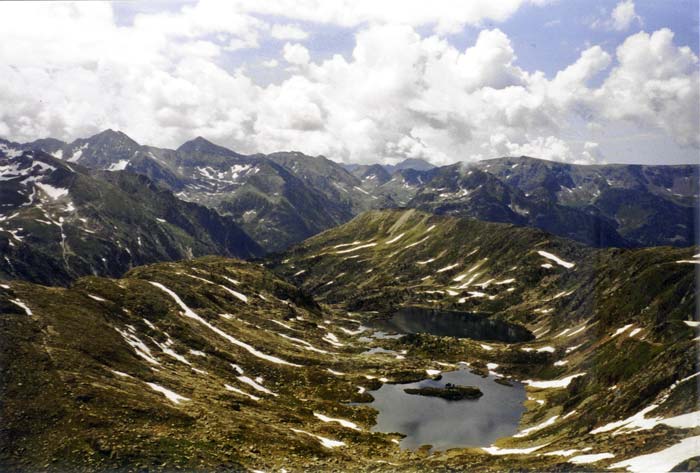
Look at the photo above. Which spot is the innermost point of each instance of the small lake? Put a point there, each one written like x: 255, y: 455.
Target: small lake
x: 448, y: 424
x: 452, y: 324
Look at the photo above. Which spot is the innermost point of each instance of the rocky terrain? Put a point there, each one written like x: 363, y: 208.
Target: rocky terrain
x: 278, y: 199
x: 220, y: 364
x: 283, y: 198
x: 613, y: 370
x: 59, y: 221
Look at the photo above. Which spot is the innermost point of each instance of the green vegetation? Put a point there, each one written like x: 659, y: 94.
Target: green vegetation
x: 611, y: 341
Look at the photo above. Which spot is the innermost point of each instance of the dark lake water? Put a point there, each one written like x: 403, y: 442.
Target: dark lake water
x: 452, y: 324
x: 447, y: 424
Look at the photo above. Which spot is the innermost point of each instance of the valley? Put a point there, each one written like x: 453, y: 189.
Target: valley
x: 349, y: 236
x: 222, y: 364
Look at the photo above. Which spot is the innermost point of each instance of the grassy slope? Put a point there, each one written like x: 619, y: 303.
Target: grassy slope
x: 576, y: 309
x: 64, y: 408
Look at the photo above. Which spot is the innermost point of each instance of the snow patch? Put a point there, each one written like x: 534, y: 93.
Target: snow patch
x: 119, y: 165
x: 343, y: 422
x: 257, y: 386
x: 395, y: 239
x: 556, y: 259
x: 21, y: 304
x: 447, y: 268
x: 326, y: 442
x: 528, y: 431
x: 621, y: 330
x: 52, y: 192
x: 172, y: 396
x: 191, y: 314
x: 662, y: 460
x: 236, y: 390
x: 493, y: 450
x: 590, y: 458
x: 555, y: 383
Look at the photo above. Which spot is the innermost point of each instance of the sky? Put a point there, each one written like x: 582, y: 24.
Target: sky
x: 362, y: 81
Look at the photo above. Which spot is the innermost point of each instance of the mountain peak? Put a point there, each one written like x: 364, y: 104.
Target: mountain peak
x: 113, y: 136
x: 414, y: 163
x: 202, y: 145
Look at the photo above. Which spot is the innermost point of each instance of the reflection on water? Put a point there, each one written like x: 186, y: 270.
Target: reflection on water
x: 452, y: 324
x: 447, y: 424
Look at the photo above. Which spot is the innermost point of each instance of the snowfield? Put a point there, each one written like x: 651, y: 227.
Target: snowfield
x: 662, y: 460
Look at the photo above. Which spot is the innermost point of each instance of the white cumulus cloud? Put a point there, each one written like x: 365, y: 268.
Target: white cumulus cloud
x: 623, y: 15
x: 296, y: 54
x: 166, y: 78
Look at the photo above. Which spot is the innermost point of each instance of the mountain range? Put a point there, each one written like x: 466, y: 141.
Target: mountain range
x: 138, y: 337
x: 60, y: 221
x: 282, y: 198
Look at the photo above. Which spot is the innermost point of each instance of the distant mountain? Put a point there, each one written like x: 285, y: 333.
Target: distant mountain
x: 465, y: 192
x: 282, y: 198
x: 410, y: 163
x: 330, y: 178
x: 372, y: 175
x: 277, y: 205
x: 647, y: 205
x: 279, y: 199
x: 59, y: 221
x: 109, y: 149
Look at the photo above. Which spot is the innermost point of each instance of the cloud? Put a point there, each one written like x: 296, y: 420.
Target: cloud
x: 622, y: 17
x: 446, y: 16
x: 657, y: 84
x: 296, y: 54
x: 168, y: 77
x: 288, y: 32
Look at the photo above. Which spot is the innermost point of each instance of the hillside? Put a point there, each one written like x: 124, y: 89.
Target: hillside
x: 282, y: 198
x: 649, y: 205
x: 60, y: 221
x: 219, y: 364
x: 615, y: 327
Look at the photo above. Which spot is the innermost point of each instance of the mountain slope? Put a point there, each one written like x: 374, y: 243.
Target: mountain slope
x: 614, y: 328
x: 460, y: 191
x: 59, y: 222
x: 648, y: 205
x: 212, y: 364
x: 279, y: 200
x: 218, y: 364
